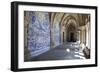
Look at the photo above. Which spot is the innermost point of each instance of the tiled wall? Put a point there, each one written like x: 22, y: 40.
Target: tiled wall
x: 38, y: 33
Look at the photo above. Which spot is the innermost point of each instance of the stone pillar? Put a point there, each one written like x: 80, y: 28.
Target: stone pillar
x: 87, y: 38
x: 89, y: 35
x: 78, y: 36
x: 82, y: 36
x: 52, y: 36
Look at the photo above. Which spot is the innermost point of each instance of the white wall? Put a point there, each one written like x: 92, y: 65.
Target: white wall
x: 5, y: 17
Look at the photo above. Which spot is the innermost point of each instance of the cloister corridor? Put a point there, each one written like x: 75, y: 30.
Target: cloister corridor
x: 56, y: 36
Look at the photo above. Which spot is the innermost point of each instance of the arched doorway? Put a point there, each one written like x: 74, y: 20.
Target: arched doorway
x: 72, y: 39
x: 71, y: 33
x: 69, y: 29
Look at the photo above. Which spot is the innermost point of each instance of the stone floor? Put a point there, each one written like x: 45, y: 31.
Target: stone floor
x: 67, y: 51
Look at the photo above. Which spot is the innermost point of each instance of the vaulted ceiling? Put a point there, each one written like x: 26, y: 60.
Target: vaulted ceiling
x: 66, y: 18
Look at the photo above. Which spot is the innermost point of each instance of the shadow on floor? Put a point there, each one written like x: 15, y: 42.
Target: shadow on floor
x: 66, y: 51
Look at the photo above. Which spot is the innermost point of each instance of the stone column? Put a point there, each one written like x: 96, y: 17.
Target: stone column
x: 52, y: 36
x: 78, y: 36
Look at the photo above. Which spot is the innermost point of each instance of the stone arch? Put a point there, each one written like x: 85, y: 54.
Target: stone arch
x: 71, y: 33
x: 67, y: 23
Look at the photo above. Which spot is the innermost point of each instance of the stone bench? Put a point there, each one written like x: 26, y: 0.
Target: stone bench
x: 86, y: 52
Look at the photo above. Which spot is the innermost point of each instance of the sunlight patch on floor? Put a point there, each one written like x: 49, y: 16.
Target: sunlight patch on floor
x: 68, y: 50
x: 79, y: 56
